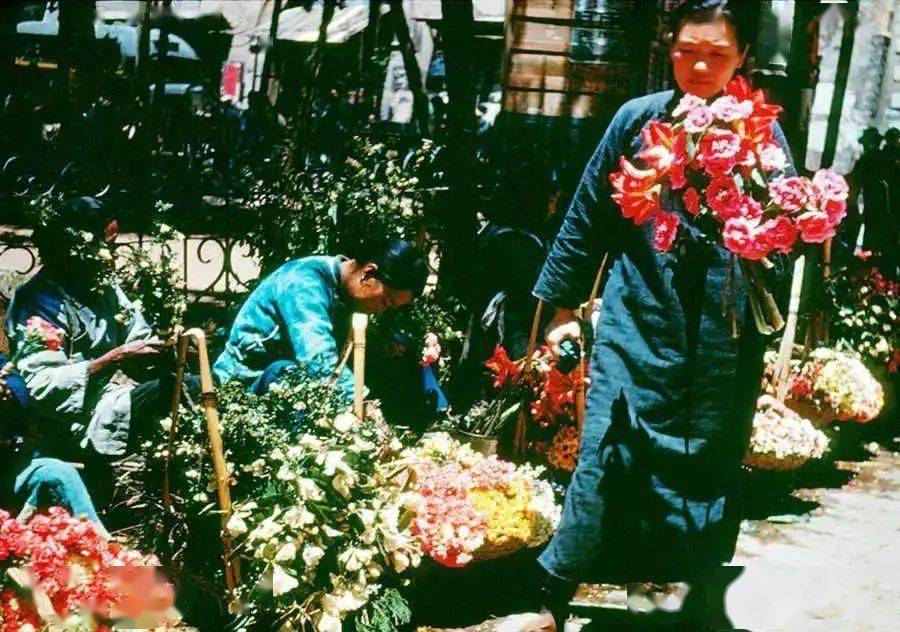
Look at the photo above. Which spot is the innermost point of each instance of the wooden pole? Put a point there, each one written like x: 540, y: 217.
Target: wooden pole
x: 587, y: 310
x: 785, y: 350
x: 175, y: 411
x: 360, y: 322
x: 210, y: 406
x: 845, y: 55
x: 519, y: 438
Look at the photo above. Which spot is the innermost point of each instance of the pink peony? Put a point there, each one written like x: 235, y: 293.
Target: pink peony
x: 665, y: 229
x: 815, y: 227
x: 780, y: 233
x: 723, y: 198
x: 830, y: 185
x: 698, y: 119
x: 728, y: 108
x: 692, y: 201
x: 743, y: 237
x: 771, y: 156
x: 718, y: 151
x: 792, y: 193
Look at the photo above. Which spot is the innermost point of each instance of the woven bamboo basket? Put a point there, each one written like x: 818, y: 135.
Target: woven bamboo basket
x: 771, y: 462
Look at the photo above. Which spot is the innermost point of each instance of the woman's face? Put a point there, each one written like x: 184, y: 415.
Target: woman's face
x: 705, y: 57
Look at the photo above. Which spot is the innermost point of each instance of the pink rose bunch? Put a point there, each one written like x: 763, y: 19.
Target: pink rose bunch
x: 38, y: 335
x: 720, y: 154
x: 431, y: 351
x: 46, y: 552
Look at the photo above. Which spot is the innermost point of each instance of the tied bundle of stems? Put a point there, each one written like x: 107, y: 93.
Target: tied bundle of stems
x: 488, y: 418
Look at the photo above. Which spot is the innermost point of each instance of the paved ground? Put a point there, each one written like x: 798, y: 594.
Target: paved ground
x: 835, y: 571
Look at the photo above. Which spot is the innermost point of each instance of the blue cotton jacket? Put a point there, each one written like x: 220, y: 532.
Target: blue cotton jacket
x: 294, y: 314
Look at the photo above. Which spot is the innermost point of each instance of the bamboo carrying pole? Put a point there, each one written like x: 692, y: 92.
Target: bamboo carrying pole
x: 519, y: 438
x: 360, y: 322
x: 210, y: 406
x: 786, y: 348
x: 586, y: 310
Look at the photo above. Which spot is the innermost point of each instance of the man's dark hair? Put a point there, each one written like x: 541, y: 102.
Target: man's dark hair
x: 401, y: 265
x: 742, y: 14
x: 81, y: 214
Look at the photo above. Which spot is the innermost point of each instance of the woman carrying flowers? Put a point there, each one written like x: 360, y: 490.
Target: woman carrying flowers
x: 677, y: 362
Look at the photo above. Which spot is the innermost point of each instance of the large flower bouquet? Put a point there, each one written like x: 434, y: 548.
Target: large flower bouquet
x: 781, y: 439
x: 833, y: 384
x: 723, y: 160
x: 865, y: 308
x: 470, y: 507
x: 59, y: 573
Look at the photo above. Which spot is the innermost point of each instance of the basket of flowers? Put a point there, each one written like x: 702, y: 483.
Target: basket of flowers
x: 835, y: 385
x: 781, y: 439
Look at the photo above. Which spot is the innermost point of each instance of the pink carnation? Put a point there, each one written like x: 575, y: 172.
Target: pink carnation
x: 836, y: 210
x: 830, y: 185
x: 698, y: 119
x: 687, y: 103
x: 771, y: 156
x: 723, y: 198
x: 728, y: 108
x: 780, y: 233
x: 792, y: 193
x: 665, y: 229
x: 750, y: 208
x: 743, y: 237
x: 718, y: 151
x: 815, y: 227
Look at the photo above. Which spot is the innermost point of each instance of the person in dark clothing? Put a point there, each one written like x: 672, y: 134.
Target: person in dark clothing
x: 654, y: 498
x: 94, y: 393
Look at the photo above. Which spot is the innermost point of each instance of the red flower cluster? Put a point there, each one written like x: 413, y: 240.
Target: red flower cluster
x: 556, y: 398
x: 77, y: 569
x: 506, y: 372
x: 724, y: 150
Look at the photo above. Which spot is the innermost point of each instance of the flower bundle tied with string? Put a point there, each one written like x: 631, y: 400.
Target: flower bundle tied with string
x: 723, y: 160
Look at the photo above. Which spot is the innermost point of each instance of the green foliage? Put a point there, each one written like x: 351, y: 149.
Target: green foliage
x: 148, y: 274
x: 330, y: 212
x: 386, y: 613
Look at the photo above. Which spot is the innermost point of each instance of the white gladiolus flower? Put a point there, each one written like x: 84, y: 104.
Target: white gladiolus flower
x: 401, y: 561
x: 297, y: 517
x: 328, y: 623
x: 282, y: 581
x: 236, y: 526
x: 307, y: 489
x: 286, y: 553
x: 166, y: 423
x: 344, y: 422
x: 312, y: 554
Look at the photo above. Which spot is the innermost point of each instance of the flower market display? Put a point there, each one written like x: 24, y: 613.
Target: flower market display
x: 837, y: 386
x: 723, y: 159
x: 550, y: 392
x: 59, y: 573
x: 470, y: 507
x: 781, y: 439
x: 865, y: 308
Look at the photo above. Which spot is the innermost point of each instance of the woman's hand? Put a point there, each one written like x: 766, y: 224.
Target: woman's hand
x: 141, y: 351
x: 563, y: 326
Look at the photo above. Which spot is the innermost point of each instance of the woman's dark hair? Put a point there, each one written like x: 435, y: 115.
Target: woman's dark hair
x: 80, y: 214
x: 401, y: 265
x: 742, y: 14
